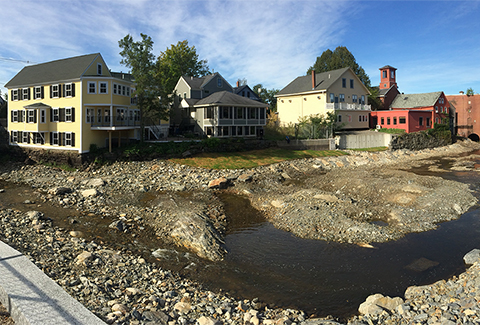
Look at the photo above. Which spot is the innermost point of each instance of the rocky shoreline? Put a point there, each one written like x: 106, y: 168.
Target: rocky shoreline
x: 122, y: 287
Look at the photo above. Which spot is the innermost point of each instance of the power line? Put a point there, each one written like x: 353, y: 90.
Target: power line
x: 15, y: 60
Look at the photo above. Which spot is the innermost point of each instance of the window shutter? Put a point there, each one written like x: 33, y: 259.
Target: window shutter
x: 73, y: 113
x: 11, y: 136
x: 73, y: 139
x: 63, y: 87
x: 11, y: 116
x: 60, y: 90
x: 51, y: 114
x: 51, y: 138
x: 20, y: 137
x: 73, y: 89
x: 62, y: 115
x: 11, y: 95
x: 28, y: 94
x: 51, y: 93
x: 35, y: 116
x: 23, y: 116
x: 41, y: 92
x: 61, y: 139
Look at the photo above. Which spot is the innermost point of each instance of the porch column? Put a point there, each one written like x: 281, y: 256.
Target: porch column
x: 110, y: 141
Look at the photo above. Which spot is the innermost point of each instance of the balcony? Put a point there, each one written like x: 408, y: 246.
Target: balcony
x: 346, y: 106
x: 115, y: 122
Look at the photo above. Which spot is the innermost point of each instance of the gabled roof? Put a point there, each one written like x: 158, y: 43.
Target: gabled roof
x: 238, y: 91
x: 65, y: 69
x: 415, y: 100
x: 197, y: 83
x: 387, y: 67
x: 383, y: 92
x: 323, y: 80
x: 228, y: 98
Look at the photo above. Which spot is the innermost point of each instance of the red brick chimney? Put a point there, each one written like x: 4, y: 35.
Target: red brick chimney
x: 238, y: 83
x: 314, y: 82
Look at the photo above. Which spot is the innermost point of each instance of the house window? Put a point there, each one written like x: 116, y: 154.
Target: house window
x: 342, y: 98
x: 394, y: 121
x: 128, y: 91
x: 123, y: 90
x: 103, y: 88
x: 208, y: 112
x: 25, y: 138
x: 363, y: 100
x: 15, y: 94
x: 384, y: 74
x: 43, y: 116
x: 351, y: 83
x: 252, y: 130
x: 68, y: 114
x: 252, y: 113
x: 69, y: 92
x: 225, y: 112
x: 436, y: 120
x: 392, y: 74
x: 354, y: 98
x: 99, y: 115
x: 38, y: 92
x: 89, y: 115
x: 441, y: 101
x: 388, y: 121
x: 31, y: 116
x: 382, y: 121
x: 239, y: 130
x: 92, y: 87
x: 99, y: 68
x: 55, y: 91
x: 120, y: 114
x: 107, y: 116
x: 360, y: 118
x: 420, y: 121
x: 14, y: 116
x: 55, y: 138
x: 224, y: 130
x: 55, y: 114
x: 136, y: 115
x: 239, y: 113
x: 219, y: 82
x: 332, y: 98
x: 402, y: 120
x: 68, y: 139
x: 26, y: 93
x: 38, y: 138
x: 14, y: 136
x: 114, y: 88
x: 428, y: 122
x: 339, y: 118
x: 209, y: 130
x: 185, y: 95
x: 344, y: 82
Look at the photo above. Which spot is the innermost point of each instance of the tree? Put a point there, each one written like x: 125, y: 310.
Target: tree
x: 340, y: 58
x: 179, y: 60
x: 139, y: 58
x: 3, y: 106
x: 267, y: 96
x: 470, y: 92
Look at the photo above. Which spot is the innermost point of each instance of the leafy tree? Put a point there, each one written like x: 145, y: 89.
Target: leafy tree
x: 317, y: 126
x: 470, y: 92
x: 179, y: 60
x: 374, y: 100
x: 267, y: 96
x: 139, y: 58
x: 340, y: 58
x: 3, y: 106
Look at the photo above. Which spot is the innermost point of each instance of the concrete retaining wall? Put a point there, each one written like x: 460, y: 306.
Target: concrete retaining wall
x: 315, y: 144
x: 364, y: 139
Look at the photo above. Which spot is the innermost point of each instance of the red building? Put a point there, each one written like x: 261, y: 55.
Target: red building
x: 467, y: 111
x: 414, y: 112
x: 388, y: 89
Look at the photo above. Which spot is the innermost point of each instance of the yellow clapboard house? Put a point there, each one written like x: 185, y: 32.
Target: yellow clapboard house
x: 71, y: 104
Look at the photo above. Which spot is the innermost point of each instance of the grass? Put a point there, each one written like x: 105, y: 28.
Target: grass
x: 65, y: 167
x: 392, y: 131
x: 251, y: 159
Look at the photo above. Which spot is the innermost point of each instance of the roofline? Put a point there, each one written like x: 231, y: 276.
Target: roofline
x: 303, y: 93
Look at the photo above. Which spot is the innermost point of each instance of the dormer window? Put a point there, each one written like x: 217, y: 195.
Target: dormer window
x: 99, y: 69
x: 219, y: 82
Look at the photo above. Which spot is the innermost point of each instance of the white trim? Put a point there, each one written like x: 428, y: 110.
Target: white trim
x: 88, y: 87
x: 58, y: 91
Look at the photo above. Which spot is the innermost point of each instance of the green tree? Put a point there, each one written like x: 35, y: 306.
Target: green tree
x: 374, y: 100
x: 267, y: 96
x: 317, y: 126
x: 3, y: 106
x: 179, y: 60
x: 139, y: 58
x: 340, y: 58
x: 470, y: 92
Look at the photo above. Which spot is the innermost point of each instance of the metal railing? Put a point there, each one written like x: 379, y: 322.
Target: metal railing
x: 114, y: 120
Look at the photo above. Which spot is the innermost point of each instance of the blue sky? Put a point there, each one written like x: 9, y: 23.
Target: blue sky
x: 435, y: 45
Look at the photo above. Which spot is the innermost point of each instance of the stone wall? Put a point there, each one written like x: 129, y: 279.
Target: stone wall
x: 55, y: 157
x: 418, y: 141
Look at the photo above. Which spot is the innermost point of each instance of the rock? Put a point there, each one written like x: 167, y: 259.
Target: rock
x: 326, y: 197
x: 208, y: 321
x: 219, y: 183
x: 377, y: 303
x: 182, y: 307
x: 89, y: 193
x: 277, y: 203
x: 156, y: 316
x: 245, y: 178
x: 118, y: 224
x: 84, y: 257
x: 59, y: 190
x: 420, y: 265
x: 471, y: 257
x: 196, y: 233
x: 75, y: 233
x: 120, y: 307
x: 94, y: 182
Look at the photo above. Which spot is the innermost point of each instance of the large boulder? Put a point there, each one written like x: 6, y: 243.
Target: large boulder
x: 195, y: 232
x: 377, y: 303
x: 471, y: 257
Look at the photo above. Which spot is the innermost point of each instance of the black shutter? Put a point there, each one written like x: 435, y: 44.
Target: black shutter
x: 73, y: 89
x: 23, y: 116
x: 62, y: 115
x: 73, y: 114
x: 51, y: 92
x: 73, y: 139
x: 60, y: 93
x: 20, y: 138
x: 11, y: 116
x: 34, y: 116
x: 28, y: 93
x: 61, y: 139
x: 28, y: 137
x: 63, y: 87
x: 11, y: 95
x: 41, y: 92
x: 51, y: 114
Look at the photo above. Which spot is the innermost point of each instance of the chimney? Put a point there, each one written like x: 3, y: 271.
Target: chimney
x: 314, y: 82
x: 238, y: 83
x: 461, y: 92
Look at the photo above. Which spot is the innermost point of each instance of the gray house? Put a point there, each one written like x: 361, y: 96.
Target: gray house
x: 208, y: 106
